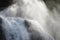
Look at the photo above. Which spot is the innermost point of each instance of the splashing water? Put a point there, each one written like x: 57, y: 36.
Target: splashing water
x: 30, y: 9
x: 14, y: 29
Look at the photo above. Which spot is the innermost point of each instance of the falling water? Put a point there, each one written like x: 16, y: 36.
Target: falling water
x: 14, y: 29
x: 32, y: 10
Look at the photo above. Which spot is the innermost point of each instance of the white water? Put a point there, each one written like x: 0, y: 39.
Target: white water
x: 14, y: 29
x: 32, y: 10
x: 29, y: 9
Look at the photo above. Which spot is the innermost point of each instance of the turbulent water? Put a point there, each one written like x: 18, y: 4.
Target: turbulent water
x: 49, y: 19
x: 14, y: 29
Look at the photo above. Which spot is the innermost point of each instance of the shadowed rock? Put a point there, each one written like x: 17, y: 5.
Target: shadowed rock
x: 2, y: 36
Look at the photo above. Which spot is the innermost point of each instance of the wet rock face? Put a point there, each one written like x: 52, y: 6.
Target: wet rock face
x: 51, y: 3
x: 5, y: 3
x: 2, y: 35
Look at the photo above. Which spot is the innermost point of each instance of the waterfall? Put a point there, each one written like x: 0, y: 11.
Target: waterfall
x: 14, y: 29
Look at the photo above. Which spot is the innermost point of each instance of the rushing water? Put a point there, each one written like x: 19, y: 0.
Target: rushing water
x: 14, y: 29
x: 37, y: 10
